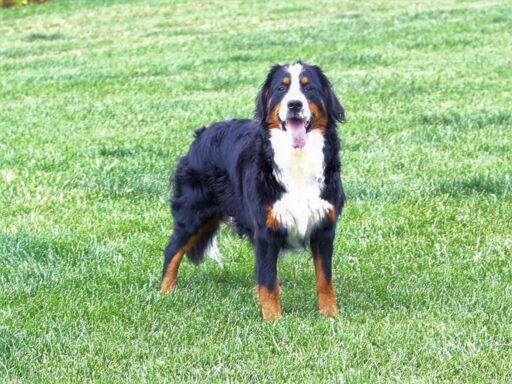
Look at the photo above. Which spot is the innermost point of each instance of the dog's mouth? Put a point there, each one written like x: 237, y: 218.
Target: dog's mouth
x: 298, y: 127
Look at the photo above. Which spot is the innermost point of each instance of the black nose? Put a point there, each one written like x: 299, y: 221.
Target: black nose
x: 295, y: 105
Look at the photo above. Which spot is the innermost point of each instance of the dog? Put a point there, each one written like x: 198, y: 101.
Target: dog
x: 276, y: 178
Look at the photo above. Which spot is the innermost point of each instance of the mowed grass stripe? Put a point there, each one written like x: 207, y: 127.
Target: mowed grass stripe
x: 98, y: 99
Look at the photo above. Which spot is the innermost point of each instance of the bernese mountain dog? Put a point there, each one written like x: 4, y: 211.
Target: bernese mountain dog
x: 275, y: 179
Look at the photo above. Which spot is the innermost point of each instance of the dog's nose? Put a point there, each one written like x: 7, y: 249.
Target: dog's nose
x: 295, y: 105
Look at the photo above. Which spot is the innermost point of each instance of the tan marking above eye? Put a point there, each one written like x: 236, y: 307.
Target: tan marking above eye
x: 286, y: 80
x: 304, y: 80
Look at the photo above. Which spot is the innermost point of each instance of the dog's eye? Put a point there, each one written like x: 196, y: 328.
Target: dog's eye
x: 309, y: 88
x: 281, y: 88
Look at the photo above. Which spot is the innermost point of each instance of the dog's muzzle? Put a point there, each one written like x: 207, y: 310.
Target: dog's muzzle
x: 296, y: 123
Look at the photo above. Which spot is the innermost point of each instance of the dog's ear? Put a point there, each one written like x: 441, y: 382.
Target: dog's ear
x: 334, y: 107
x: 262, y: 98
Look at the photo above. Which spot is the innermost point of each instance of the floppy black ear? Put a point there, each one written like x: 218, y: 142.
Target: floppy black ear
x: 262, y: 98
x: 334, y: 107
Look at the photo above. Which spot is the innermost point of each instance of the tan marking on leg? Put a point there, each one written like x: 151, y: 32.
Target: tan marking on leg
x: 169, y: 280
x: 269, y: 302
x: 271, y: 221
x: 325, y: 291
x: 331, y: 215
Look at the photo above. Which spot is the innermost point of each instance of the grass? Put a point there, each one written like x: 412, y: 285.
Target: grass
x: 99, y: 98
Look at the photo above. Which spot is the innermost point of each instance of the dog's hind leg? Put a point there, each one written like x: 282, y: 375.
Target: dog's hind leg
x: 172, y: 261
x: 183, y: 242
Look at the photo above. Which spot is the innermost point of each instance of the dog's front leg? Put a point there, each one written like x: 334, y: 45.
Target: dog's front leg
x: 267, y: 284
x: 322, y: 249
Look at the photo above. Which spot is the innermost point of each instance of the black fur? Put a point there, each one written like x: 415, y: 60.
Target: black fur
x: 227, y: 174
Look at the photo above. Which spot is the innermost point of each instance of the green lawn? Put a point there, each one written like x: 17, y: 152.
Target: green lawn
x: 99, y: 98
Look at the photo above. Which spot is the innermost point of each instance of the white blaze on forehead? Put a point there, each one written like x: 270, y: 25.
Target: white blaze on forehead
x: 294, y: 93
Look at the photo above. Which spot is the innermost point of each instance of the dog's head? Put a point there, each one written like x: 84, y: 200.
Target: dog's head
x: 298, y: 98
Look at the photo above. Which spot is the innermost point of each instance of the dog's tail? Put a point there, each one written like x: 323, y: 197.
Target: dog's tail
x: 205, y: 244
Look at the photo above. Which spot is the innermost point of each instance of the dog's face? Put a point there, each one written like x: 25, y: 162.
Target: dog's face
x: 297, y: 98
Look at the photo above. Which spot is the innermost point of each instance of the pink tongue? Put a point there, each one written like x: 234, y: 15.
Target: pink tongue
x: 298, y: 131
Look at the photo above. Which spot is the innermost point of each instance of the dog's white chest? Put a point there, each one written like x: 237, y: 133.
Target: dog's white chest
x: 301, y: 172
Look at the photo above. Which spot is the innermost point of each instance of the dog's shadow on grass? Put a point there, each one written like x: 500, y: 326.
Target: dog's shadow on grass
x: 378, y: 294
x: 47, y: 260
